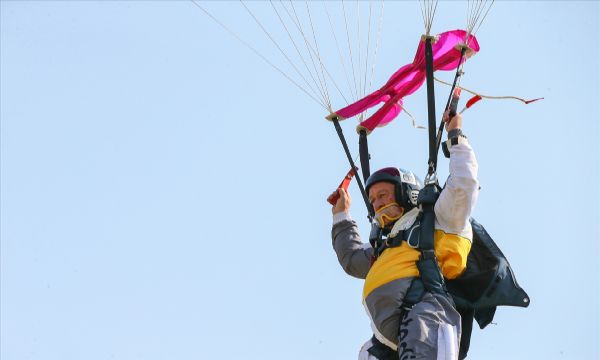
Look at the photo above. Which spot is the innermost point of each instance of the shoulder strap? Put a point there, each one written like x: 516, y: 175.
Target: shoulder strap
x: 427, y: 264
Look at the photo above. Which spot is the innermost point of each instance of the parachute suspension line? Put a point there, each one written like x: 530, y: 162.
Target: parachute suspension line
x: 337, y: 44
x: 363, y: 144
x: 298, y: 25
x: 424, y: 16
x: 279, y: 47
x: 376, y: 49
x: 323, y: 68
x: 364, y: 79
x: 428, y: 8
x: 360, y: 49
x: 475, y: 10
x: 356, y: 95
x: 310, y: 50
x: 364, y: 82
x: 484, y: 16
x: 318, y: 53
x: 297, y: 50
x: 358, y: 91
x: 260, y: 55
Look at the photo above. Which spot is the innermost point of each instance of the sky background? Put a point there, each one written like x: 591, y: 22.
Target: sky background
x: 163, y: 188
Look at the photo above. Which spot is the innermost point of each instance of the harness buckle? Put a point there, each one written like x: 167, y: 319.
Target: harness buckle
x: 431, y: 178
x: 406, y: 307
x: 386, y: 243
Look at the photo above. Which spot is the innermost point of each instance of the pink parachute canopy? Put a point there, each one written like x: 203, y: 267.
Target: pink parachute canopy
x: 446, y: 56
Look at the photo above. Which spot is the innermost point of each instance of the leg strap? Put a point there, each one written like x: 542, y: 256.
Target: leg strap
x: 382, y: 351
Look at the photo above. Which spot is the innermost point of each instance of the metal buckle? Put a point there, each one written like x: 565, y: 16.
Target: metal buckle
x: 431, y: 178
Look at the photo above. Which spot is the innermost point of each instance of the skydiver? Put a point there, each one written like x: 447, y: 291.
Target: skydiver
x: 431, y: 329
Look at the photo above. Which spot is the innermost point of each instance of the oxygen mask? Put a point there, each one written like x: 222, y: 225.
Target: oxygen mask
x: 388, y: 214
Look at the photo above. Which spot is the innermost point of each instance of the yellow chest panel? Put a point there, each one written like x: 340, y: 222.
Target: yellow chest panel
x: 399, y: 262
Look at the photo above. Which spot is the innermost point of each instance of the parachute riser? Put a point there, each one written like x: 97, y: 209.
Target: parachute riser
x: 432, y: 163
x: 340, y: 133
x: 457, y: 77
x: 363, y: 149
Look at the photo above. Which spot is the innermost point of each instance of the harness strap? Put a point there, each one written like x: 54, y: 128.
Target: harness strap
x: 389, y: 242
x: 427, y: 264
x: 414, y: 294
x: 382, y: 351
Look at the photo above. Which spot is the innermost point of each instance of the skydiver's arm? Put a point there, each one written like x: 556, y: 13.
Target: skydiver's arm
x: 459, y: 196
x: 352, y: 254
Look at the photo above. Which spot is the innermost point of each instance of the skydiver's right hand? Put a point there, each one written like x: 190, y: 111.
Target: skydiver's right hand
x: 343, y: 203
x: 452, y: 123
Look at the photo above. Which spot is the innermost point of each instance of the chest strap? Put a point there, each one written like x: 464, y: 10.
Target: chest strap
x: 411, y: 235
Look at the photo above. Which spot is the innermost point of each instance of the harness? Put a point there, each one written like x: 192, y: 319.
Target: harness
x: 420, y: 236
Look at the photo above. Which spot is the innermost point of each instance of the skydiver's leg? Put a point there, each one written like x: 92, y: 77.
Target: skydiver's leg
x: 430, y: 331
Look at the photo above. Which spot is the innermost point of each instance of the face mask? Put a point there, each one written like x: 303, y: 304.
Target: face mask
x: 389, y: 214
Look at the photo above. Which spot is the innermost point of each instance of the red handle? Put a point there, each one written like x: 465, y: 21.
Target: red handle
x: 332, y: 199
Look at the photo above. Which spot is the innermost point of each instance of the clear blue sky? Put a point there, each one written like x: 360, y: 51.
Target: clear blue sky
x: 163, y: 189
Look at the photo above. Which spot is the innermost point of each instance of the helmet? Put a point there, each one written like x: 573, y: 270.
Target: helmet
x: 407, y: 185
